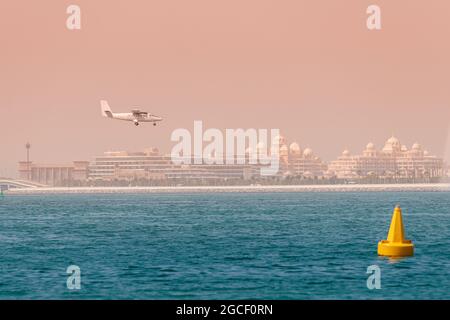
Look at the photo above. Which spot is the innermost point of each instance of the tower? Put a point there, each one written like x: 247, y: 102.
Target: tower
x: 28, y: 146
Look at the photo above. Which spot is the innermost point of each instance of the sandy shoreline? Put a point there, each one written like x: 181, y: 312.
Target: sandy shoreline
x: 209, y: 189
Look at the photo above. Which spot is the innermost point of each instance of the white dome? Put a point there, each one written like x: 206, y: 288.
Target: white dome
x: 416, y: 146
x: 426, y: 153
x: 294, y: 147
x: 392, y: 144
x: 308, y: 152
x: 280, y: 139
x: 404, y: 148
x: 370, y: 146
x: 346, y: 153
x: 393, y: 141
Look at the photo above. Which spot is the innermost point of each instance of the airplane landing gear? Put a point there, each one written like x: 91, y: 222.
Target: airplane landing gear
x: 136, y: 123
x: 154, y: 123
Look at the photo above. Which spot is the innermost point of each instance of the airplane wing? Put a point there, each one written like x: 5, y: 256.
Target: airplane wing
x: 137, y: 112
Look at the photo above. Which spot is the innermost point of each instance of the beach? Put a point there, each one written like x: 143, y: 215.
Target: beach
x: 253, y: 188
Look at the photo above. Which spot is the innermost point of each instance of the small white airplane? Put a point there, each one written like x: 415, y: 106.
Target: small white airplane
x: 135, y: 115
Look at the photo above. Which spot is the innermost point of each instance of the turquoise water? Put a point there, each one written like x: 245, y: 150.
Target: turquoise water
x: 221, y: 246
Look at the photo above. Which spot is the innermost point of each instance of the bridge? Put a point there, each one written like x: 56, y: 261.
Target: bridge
x: 6, y: 184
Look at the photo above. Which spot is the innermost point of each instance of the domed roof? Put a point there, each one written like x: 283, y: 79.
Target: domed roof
x: 307, y: 152
x: 393, y: 140
x: 345, y: 153
x: 392, y: 144
x: 404, y: 148
x: 294, y: 147
x: 416, y: 146
x: 370, y: 146
x: 426, y: 153
x: 280, y: 139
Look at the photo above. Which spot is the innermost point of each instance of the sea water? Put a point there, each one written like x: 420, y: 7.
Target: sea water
x: 312, y: 245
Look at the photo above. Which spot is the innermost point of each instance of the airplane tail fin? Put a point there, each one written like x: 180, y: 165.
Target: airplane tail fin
x: 106, y: 110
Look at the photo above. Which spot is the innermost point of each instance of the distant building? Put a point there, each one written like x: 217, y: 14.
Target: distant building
x: 305, y: 163
x: 54, y: 175
x: 297, y: 163
x: 150, y: 164
x: 393, y: 161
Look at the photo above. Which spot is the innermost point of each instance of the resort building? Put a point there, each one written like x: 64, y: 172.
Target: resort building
x: 150, y: 164
x: 295, y: 162
x: 394, y: 161
x: 305, y: 163
x: 54, y: 175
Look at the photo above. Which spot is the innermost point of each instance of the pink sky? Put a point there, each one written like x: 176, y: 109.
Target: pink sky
x: 310, y: 68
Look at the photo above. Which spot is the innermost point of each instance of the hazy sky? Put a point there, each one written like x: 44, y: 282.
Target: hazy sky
x: 310, y: 68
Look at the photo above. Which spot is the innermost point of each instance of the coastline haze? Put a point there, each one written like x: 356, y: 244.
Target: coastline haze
x: 311, y: 69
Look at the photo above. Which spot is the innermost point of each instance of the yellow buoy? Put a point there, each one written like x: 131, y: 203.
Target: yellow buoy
x: 396, y: 245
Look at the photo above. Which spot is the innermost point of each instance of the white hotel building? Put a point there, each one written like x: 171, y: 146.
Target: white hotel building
x: 150, y: 164
x: 393, y: 161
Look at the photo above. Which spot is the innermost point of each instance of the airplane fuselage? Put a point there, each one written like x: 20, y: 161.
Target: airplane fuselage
x: 136, y: 115
x: 128, y: 116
